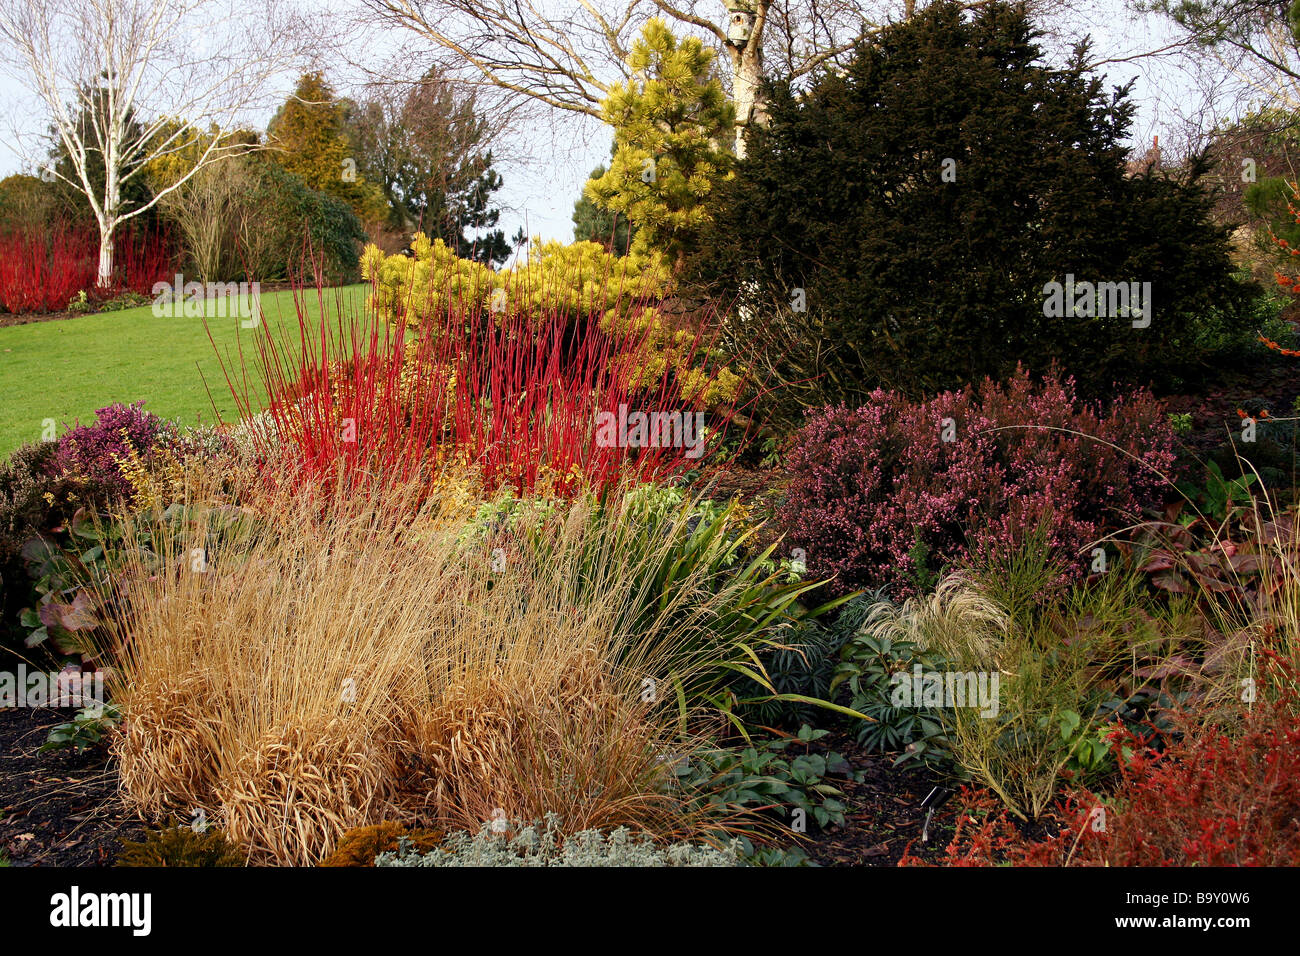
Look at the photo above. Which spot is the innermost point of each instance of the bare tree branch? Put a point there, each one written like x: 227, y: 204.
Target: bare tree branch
x: 128, y: 82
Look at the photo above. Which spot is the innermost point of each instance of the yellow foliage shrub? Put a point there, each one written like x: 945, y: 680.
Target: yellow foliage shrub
x: 569, y: 282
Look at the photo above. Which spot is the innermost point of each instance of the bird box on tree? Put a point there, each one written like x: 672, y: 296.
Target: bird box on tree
x: 740, y: 23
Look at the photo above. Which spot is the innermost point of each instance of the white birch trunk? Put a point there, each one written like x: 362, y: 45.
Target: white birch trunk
x: 105, y: 273
x: 747, y: 71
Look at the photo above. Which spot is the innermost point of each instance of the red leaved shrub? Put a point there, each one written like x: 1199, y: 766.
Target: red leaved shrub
x: 967, y: 475
x: 1210, y: 798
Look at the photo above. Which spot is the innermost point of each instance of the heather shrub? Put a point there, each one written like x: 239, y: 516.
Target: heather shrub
x: 120, y: 433
x: 898, y: 490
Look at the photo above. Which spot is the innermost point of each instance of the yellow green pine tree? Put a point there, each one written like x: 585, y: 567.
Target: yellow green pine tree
x: 672, y: 142
x: 308, y: 136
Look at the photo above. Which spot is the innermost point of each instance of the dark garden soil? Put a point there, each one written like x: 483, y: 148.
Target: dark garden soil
x: 883, y: 813
x: 59, y: 808
x: 62, y: 808
x: 27, y: 318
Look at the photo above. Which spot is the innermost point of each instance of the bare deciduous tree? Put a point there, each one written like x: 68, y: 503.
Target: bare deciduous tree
x: 116, y: 75
x: 569, y: 54
x: 1254, y: 42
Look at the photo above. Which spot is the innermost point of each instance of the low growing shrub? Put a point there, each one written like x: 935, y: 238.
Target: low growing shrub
x: 177, y: 845
x: 44, y: 270
x: 505, y: 844
x: 872, y: 665
x: 968, y: 475
x: 359, y: 847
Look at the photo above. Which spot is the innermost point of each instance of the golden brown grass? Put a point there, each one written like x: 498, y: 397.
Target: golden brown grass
x: 357, y: 659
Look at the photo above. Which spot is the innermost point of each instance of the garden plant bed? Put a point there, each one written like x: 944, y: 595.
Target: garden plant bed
x: 8, y: 319
x: 61, y: 808
x: 921, y: 460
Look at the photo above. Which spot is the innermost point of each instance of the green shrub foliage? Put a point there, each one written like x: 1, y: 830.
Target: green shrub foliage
x: 181, y: 846
x: 905, y: 214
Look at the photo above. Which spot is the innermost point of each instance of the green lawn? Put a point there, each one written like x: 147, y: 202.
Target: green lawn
x: 65, y: 370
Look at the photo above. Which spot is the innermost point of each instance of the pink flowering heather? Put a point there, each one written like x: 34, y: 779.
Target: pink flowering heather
x: 869, y: 483
x: 93, y: 451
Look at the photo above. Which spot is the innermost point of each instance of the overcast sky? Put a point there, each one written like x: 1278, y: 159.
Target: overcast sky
x: 547, y: 163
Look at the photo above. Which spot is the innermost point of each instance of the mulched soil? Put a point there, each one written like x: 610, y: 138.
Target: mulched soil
x: 59, y: 808
x: 884, y: 815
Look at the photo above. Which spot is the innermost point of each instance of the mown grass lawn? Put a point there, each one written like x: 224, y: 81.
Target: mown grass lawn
x: 65, y: 370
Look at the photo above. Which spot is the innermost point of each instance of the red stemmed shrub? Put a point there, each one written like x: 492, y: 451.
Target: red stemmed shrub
x: 1211, y: 797
x: 41, y: 273
x: 140, y: 259
x: 897, y: 489
x: 513, y: 393
x: 42, y: 270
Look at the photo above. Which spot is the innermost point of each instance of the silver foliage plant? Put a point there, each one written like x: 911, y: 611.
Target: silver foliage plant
x: 529, y: 846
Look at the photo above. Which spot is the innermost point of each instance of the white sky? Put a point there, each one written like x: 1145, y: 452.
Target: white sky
x: 547, y: 165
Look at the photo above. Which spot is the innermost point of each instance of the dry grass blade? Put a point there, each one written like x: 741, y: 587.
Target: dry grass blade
x: 358, y: 658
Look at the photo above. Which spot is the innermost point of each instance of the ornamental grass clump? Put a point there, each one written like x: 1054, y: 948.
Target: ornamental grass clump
x: 363, y: 659
x: 1043, y: 676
